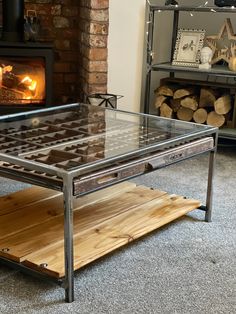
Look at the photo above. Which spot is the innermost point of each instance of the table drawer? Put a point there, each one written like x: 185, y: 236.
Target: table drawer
x: 102, y: 179
x: 134, y: 167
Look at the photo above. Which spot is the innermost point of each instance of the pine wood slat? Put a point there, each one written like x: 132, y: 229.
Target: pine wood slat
x: 49, y: 233
x: 38, y: 212
x: 30, y: 216
x: 109, y: 235
x: 106, y: 193
x: 15, y: 201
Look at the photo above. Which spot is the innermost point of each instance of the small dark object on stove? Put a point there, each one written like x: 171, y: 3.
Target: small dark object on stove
x: 31, y: 26
x: 171, y: 2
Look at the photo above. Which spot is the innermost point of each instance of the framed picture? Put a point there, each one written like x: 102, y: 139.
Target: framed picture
x: 189, y: 43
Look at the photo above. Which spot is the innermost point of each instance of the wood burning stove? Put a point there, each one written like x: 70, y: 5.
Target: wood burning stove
x: 25, y: 67
x: 25, y: 76
x: 13, y: 20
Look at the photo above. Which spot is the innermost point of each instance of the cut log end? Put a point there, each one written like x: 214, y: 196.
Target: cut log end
x: 166, y: 111
x: 189, y: 102
x: 185, y: 114
x: 200, y: 115
x: 215, y: 119
x: 166, y: 90
x: 183, y: 92
x: 223, y: 104
x: 160, y: 99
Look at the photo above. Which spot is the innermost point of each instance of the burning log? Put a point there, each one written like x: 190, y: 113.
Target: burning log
x: 14, y: 82
x: 9, y: 95
x: 10, y: 80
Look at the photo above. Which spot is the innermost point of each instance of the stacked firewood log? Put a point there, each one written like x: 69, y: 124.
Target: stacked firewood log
x: 198, y: 104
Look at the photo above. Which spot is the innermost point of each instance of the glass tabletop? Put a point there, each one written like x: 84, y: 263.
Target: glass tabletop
x: 74, y: 136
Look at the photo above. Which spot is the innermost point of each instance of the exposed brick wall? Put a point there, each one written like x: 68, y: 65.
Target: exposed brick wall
x: 93, y: 45
x: 79, y: 31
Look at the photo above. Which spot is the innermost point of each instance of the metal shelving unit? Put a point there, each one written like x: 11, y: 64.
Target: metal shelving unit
x: 214, y: 72
x: 217, y: 70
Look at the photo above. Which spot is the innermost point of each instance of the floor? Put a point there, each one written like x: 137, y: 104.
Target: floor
x: 188, y: 266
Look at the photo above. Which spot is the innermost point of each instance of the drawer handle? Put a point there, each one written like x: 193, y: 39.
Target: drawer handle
x: 166, y: 160
x: 107, y: 178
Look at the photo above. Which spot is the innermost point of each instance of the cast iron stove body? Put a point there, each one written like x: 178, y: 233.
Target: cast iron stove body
x: 81, y: 148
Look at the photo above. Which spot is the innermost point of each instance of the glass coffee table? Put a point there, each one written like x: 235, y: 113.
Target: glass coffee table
x: 78, y: 149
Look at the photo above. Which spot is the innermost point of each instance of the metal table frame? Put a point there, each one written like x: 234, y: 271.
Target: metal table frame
x: 68, y: 195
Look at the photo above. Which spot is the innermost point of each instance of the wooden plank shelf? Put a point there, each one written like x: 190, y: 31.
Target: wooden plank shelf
x: 33, y: 233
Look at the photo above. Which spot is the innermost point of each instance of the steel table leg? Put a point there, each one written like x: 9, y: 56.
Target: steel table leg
x: 210, y: 186
x: 68, y: 240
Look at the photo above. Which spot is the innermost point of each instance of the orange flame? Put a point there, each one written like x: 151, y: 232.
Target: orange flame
x: 26, y: 79
x: 32, y: 84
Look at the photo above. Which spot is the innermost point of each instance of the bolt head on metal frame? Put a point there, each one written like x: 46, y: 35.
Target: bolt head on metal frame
x: 5, y: 249
x: 44, y: 265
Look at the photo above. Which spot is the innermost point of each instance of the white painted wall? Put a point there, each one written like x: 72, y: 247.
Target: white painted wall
x: 125, y: 51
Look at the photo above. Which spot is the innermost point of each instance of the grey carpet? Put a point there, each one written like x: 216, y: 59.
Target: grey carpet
x: 186, y: 267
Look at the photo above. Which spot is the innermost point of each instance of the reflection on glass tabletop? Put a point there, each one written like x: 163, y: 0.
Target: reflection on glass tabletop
x: 71, y: 136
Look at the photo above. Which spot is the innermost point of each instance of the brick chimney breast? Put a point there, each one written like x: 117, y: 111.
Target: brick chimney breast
x: 79, y: 31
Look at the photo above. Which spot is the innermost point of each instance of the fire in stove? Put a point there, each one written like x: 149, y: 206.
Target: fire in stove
x: 22, y: 81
